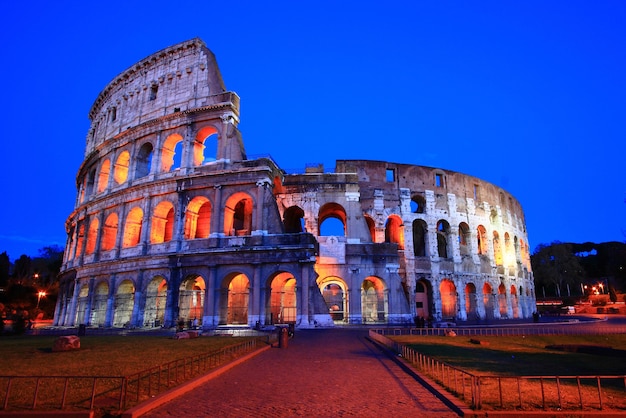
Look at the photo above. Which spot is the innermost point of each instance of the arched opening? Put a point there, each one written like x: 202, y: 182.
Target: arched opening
x: 448, y: 299
x: 488, y: 301
x: 81, y: 239
x: 191, y: 300
x: 418, y: 204
x: 443, y: 229
x: 423, y: 298
x: 162, y: 223
x: 238, y: 215
x: 419, y: 238
x: 497, y: 249
x: 171, y: 153
x: 124, y: 302
x: 92, y: 236
x: 394, y: 231
x: 81, y: 304
x: 202, y: 152
x: 371, y: 227
x: 514, y: 302
x: 373, y: 300
x: 502, y: 300
x: 293, y: 220
x: 198, y: 218
x: 109, y: 232
x: 464, y: 239
x: 90, y: 183
x: 143, y: 162
x: 234, y: 301
x: 132, y: 228
x: 282, y: 307
x: 481, y: 238
x: 332, y: 220
x: 509, y: 255
x: 335, y: 293
x: 120, y: 171
x: 470, y: 301
x: 156, y: 297
x: 99, y: 304
x: 103, y: 177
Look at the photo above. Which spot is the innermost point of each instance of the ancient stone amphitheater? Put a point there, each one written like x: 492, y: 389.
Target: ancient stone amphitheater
x: 174, y: 223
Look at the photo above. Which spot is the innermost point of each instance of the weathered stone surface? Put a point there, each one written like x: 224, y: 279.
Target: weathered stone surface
x: 66, y: 343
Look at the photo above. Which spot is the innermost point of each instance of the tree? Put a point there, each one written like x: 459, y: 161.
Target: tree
x: 555, y: 266
x: 23, y: 270
x: 5, y: 266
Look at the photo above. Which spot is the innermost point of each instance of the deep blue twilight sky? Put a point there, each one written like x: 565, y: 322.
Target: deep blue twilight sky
x: 529, y: 95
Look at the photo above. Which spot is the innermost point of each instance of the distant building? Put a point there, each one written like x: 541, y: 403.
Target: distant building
x: 173, y: 222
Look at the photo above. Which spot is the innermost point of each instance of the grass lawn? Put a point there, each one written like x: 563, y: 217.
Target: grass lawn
x: 100, y: 355
x: 513, y: 356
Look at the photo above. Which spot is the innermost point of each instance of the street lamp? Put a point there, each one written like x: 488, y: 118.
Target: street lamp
x: 39, y: 296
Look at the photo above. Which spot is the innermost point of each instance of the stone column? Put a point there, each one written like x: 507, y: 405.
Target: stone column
x: 217, y: 217
x: 110, y: 313
x: 210, y: 315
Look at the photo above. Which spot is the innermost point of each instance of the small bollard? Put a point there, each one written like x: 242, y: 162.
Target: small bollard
x: 283, y: 337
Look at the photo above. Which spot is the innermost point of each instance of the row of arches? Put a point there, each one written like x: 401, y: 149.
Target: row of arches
x: 135, y: 162
x: 470, y: 302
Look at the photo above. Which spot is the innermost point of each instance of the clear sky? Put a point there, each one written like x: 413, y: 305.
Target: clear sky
x: 528, y: 95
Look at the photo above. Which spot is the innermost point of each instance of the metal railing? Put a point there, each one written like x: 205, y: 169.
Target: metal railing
x: 597, y: 392
x: 110, y: 393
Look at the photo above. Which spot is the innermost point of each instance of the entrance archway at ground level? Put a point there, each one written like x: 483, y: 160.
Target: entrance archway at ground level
x: 502, y: 300
x: 373, y: 300
x: 124, y: 303
x: 81, y: 304
x: 447, y: 290
x: 470, y: 301
x: 99, y: 305
x: 514, y: 302
x: 282, y: 302
x: 235, y: 294
x: 423, y: 298
x: 488, y: 298
x: 335, y: 293
x: 156, y: 296
x: 191, y: 300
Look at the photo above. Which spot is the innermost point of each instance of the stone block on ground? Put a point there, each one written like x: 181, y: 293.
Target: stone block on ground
x: 66, y: 343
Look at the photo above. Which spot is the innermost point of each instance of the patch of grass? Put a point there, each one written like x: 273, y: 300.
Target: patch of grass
x: 522, y: 356
x: 100, y: 355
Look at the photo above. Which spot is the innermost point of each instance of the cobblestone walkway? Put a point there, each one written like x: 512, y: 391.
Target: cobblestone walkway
x: 322, y: 373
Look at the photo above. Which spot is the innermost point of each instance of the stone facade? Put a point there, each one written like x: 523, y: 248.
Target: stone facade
x: 174, y: 223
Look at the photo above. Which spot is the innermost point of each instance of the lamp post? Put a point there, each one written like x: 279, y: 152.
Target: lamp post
x: 39, y: 296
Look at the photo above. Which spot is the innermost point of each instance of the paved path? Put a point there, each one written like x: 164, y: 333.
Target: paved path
x: 321, y: 373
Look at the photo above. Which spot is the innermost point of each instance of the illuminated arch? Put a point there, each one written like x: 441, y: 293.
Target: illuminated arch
x: 132, y: 227
x: 514, y: 302
x: 191, y: 299
x: 464, y: 239
x: 171, y: 148
x: 448, y: 293
x: 162, y: 223
x: 238, y: 214
x: 200, y: 148
x: 81, y: 239
x: 481, y: 237
x: 235, y: 299
x: 198, y: 218
x: 394, y: 231
x: 156, y: 297
x: 103, y: 176
x: 109, y: 232
x: 374, y: 303
x: 120, y: 172
x: 328, y: 216
x: 92, y: 236
x: 497, y: 248
x: 488, y: 301
x: 502, y: 300
x: 423, y: 298
x: 124, y: 303
x: 471, y: 301
x: 371, y: 227
x: 81, y: 304
x: 335, y: 293
x: 99, y: 304
x: 282, y: 302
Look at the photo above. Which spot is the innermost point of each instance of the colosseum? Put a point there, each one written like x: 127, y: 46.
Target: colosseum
x: 173, y: 223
